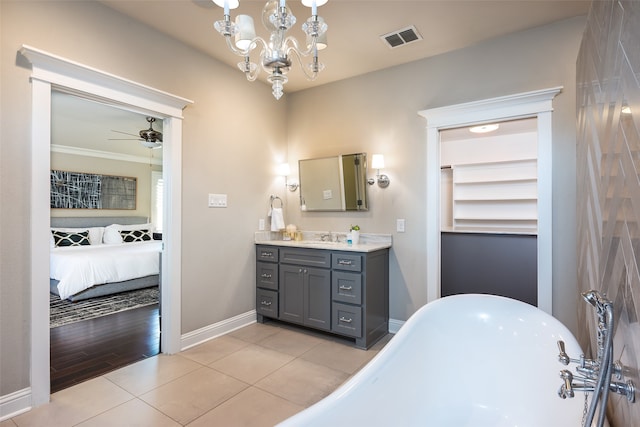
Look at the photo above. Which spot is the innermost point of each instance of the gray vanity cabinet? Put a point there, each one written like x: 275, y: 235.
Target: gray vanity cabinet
x: 343, y: 292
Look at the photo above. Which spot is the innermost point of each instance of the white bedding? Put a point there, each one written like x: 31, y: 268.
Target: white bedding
x: 80, y: 267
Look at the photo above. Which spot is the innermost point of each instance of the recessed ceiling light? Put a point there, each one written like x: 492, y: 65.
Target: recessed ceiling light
x: 484, y: 128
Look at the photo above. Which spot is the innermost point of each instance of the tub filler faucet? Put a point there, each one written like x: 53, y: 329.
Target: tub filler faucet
x: 597, y: 375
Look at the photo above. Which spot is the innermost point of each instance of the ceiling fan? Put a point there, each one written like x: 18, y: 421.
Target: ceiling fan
x: 149, y: 138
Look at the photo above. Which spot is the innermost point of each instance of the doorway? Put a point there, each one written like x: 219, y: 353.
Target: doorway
x: 489, y: 209
x: 536, y: 104
x: 91, y: 137
x: 51, y: 72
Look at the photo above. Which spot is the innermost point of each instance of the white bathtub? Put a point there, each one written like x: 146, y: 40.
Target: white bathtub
x: 465, y: 360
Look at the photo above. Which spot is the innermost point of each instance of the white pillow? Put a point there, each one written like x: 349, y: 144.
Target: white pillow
x: 95, y: 234
x: 112, y: 234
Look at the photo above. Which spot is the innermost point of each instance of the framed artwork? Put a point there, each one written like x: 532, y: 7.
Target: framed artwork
x: 80, y: 190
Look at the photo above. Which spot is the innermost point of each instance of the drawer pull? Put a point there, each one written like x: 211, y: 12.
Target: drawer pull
x: 345, y: 320
x: 267, y: 303
x: 345, y: 288
x: 266, y: 254
x: 265, y: 276
x: 345, y: 262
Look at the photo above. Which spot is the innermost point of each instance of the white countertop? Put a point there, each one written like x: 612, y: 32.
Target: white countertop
x: 369, y: 242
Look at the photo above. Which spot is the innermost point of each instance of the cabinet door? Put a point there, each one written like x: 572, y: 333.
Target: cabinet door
x: 291, y: 293
x: 317, y: 298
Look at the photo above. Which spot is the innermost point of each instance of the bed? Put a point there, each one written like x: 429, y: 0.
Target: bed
x: 97, y: 256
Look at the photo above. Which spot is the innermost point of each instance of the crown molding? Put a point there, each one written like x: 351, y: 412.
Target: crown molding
x: 65, y: 149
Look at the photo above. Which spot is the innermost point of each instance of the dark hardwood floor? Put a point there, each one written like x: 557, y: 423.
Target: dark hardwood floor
x: 84, y: 350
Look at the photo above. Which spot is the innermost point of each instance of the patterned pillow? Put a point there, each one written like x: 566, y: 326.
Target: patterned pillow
x: 63, y: 238
x: 135, y: 235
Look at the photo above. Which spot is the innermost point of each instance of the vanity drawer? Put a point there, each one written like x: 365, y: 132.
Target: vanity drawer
x: 267, y: 303
x: 267, y: 253
x: 267, y: 275
x: 346, y: 287
x: 346, y: 261
x: 346, y: 319
x: 309, y: 257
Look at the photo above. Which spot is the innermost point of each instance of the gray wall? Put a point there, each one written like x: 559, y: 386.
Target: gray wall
x: 374, y: 113
x: 608, y: 188
x: 377, y: 113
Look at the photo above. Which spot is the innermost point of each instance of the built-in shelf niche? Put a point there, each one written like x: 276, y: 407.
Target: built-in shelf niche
x: 489, y: 183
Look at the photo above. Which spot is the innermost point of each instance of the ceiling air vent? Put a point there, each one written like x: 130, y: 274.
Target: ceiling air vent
x: 401, y: 37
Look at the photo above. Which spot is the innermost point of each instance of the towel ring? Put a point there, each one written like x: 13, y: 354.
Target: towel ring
x: 276, y: 198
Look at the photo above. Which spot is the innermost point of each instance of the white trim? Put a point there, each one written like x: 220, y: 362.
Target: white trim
x: 77, y: 151
x: 395, y: 325
x: 215, y: 330
x: 14, y: 404
x: 529, y: 104
x: 51, y: 72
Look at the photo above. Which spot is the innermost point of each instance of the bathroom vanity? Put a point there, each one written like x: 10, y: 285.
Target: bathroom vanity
x: 331, y: 287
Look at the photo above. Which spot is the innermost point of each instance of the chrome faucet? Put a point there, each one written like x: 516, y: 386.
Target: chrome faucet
x: 326, y: 237
x: 596, y: 375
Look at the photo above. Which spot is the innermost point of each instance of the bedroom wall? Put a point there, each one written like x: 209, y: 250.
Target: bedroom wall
x: 218, y: 260
x: 140, y: 171
x: 377, y: 113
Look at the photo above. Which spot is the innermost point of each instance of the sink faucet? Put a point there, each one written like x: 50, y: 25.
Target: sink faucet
x: 325, y: 237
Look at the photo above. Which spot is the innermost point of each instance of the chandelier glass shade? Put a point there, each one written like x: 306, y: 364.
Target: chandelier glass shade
x: 276, y: 54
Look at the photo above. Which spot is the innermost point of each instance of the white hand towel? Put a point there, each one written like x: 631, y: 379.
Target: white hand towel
x: 277, y: 219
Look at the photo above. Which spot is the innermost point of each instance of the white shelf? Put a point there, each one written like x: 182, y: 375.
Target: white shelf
x: 500, y: 196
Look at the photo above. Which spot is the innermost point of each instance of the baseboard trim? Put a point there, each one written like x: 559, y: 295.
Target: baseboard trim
x: 15, y: 403
x: 395, y: 325
x: 215, y: 330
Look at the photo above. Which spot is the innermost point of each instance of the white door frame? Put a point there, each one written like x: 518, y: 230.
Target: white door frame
x: 51, y: 72
x: 537, y: 104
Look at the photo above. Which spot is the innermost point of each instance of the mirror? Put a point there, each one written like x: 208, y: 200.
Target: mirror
x: 337, y: 183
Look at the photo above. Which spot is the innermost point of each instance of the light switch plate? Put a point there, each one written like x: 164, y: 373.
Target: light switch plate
x: 400, y: 225
x: 217, y: 200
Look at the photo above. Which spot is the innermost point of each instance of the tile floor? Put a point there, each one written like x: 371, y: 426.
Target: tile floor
x: 256, y: 376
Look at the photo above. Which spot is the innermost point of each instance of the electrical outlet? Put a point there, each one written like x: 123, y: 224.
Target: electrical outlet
x: 261, y: 224
x: 217, y: 200
x: 400, y: 225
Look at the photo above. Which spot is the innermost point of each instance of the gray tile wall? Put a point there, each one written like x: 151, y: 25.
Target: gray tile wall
x: 608, y: 161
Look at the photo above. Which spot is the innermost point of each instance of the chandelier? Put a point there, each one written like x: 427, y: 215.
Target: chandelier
x: 277, y: 53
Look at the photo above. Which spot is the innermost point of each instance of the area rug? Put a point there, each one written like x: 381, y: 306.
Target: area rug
x: 64, y: 312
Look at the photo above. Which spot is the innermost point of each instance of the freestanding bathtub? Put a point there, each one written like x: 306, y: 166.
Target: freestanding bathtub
x: 464, y: 360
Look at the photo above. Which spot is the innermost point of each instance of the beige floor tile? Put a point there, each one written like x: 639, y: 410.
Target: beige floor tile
x: 255, y: 332
x: 291, y: 342
x: 7, y: 423
x: 251, y: 363
x: 75, y: 404
x: 250, y: 408
x: 301, y: 382
x: 150, y: 373
x: 215, y: 349
x: 132, y: 413
x: 382, y: 343
x: 194, y: 394
x: 338, y: 356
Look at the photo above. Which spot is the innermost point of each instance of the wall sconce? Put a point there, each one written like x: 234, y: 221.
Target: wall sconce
x: 285, y: 171
x: 377, y: 162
